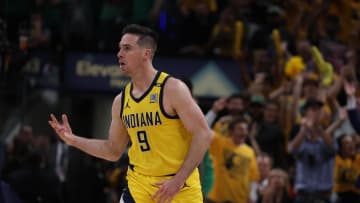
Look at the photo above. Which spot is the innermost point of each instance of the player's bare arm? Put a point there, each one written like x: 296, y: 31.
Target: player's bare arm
x: 109, y: 149
x: 179, y: 101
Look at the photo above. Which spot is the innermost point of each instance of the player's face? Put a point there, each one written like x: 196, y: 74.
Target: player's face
x: 130, y: 55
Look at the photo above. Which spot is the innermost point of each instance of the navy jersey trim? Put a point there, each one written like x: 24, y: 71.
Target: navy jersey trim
x: 127, y: 197
x: 137, y: 100
x: 122, y: 101
x: 161, y: 101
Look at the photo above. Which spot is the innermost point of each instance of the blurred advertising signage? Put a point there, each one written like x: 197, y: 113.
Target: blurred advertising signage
x: 101, y: 72
x: 93, y: 72
x: 41, y: 70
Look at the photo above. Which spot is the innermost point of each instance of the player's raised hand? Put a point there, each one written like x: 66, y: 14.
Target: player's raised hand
x: 63, y: 129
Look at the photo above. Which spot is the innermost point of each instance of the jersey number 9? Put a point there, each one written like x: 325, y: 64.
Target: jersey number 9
x: 142, y: 138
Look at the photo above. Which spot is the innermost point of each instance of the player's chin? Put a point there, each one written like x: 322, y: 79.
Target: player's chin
x: 122, y: 67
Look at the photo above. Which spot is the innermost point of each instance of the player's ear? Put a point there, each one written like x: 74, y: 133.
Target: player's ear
x: 148, y: 53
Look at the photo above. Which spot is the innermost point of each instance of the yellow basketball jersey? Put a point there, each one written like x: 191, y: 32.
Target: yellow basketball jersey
x: 159, y: 142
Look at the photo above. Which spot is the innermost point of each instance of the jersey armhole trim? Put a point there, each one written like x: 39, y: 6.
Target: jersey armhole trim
x: 122, y: 101
x: 161, y: 101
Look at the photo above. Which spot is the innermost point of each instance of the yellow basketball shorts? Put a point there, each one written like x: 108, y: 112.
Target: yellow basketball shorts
x: 141, y: 188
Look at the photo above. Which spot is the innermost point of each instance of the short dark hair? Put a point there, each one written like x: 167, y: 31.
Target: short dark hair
x: 235, y: 121
x: 147, y: 37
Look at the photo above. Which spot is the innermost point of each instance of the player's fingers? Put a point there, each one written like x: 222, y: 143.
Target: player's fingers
x: 53, y: 118
x: 160, y: 183
x: 158, y: 193
x: 61, y: 130
x: 66, y: 121
x: 170, y: 198
x: 52, y: 124
x: 162, y: 198
x: 67, y: 134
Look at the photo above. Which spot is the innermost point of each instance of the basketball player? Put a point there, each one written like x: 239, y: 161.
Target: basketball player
x: 157, y: 114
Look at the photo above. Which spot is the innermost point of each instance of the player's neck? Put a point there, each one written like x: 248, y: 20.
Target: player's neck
x: 143, y: 79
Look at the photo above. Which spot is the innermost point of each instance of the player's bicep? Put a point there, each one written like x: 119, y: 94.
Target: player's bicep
x: 186, y: 108
x: 118, y: 135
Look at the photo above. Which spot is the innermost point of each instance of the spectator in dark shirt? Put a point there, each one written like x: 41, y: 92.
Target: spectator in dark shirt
x: 314, y: 151
x: 268, y: 134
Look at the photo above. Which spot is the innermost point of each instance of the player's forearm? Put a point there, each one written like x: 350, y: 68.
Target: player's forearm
x: 198, y: 147
x: 99, y: 148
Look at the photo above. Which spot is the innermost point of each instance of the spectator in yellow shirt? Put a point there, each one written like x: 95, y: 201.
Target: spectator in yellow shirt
x: 235, y: 165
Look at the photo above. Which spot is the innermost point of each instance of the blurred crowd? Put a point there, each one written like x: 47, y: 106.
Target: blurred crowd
x: 290, y: 135
x: 37, y: 167
x: 203, y: 27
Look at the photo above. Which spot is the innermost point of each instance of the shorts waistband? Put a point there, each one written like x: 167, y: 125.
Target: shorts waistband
x: 131, y: 167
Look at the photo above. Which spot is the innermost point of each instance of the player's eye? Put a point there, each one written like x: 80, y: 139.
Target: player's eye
x: 125, y: 48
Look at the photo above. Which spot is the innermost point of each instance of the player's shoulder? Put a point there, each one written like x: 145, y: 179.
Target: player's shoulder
x: 122, y: 92
x: 174, y: 84
x: 119, y: 96
x: 118, y: 99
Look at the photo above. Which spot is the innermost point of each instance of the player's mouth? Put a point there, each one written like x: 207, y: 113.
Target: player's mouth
x: 122, y: 63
